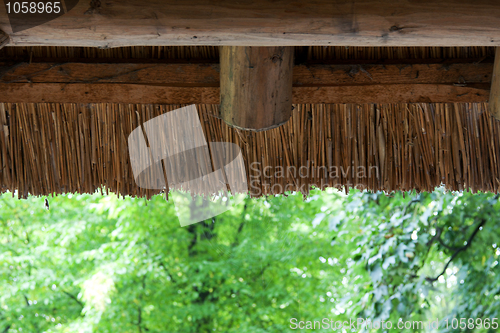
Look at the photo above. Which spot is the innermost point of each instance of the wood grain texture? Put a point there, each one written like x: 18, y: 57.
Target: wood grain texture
x: 494, y: 102
x: 256, y: 86
x: 199, y: 83
x: 4, y: 39
x: 113, y: 23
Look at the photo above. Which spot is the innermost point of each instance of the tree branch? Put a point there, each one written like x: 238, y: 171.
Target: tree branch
x: 73, y: 298
x: 240, y: 228
x: 457, y: 252
x: 413, y: 201
x: 451, y: 248
x: 437, y: 236
x: 161, y: 264
x: 139, y: 306
x: 429, y: 246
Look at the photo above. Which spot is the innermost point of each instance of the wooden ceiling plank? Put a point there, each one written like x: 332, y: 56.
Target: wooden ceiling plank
x: 115, y: 23
x: 4, y: 39
x: 199, y: 83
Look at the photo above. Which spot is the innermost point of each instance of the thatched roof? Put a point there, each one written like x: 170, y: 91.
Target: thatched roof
x: 206, y: 53
x: 57, y: 148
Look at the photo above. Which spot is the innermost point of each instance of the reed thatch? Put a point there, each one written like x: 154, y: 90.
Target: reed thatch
x: 58, y: 148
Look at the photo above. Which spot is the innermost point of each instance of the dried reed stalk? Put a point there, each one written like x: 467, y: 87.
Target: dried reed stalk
x: 58, y: 148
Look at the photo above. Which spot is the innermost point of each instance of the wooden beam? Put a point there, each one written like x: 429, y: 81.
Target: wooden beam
x: 494, y: 102
x: 113, y: 23
x: 256, y: 86
x: 199, y: 83
x: 4, y: 39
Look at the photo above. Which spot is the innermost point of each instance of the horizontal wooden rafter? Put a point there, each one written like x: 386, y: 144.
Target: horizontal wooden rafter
x: 4, y: 39
x: 184, y: 83
x: 114, y: 23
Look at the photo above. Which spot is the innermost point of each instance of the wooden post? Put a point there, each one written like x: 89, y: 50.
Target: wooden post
x: 495, y: 87
x: 4, y: 39
x: 256, y: 86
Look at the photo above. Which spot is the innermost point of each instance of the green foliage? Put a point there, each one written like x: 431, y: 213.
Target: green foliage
x: 428, y: 256
x: 103, y: 264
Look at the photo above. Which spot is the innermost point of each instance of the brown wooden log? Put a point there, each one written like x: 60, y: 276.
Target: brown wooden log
x: 4, y: 39
x: 113, y: 23
x: 184, y: 83
x: 256, y: 86
x: 460, y: 72
x: 495, y: 87
x: 154, y: 94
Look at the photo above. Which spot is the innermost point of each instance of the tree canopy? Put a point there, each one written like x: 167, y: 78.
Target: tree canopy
x: 94, y: 263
